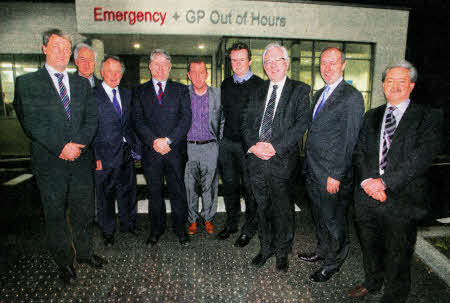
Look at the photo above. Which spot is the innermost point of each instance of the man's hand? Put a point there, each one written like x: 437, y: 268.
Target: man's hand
x: 263, y: 150
x: 332, y: 185
x: 160, y: 145
x: 375, y: 188
x: 71, y: 151
x: 99, y: 165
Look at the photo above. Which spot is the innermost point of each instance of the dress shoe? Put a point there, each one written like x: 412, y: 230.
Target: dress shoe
x: 313, y: 257
x: 93, y: 261
x: 260, y: 260
x: 152, y: 240
x: 242, y: 241
x: 108, y: 240
x: 358, y: 292
x: 192, y: 229
x: 322, y: 275
x: 225, y: 233
x: 184, y: 240
x: 209, y: 227
x: 68, y: 274
x: 282, y: 264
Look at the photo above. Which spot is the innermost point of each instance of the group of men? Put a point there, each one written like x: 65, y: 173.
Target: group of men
x: 252, y: 129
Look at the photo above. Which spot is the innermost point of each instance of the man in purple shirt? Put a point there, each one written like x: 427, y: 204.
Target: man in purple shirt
x: 202, y: 147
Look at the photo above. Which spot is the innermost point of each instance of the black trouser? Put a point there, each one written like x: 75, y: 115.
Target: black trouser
x: 111, y: 184
x: 234, y: 171
x: 68, y: 203
x: 330, y: 217
x: 275, y: 213
x: 173, y: 170
x: 387, y: 242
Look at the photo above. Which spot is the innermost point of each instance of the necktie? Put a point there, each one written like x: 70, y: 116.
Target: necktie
x: 266, y: 126
x: 324, y: 98
x: 160, y: 93
x: 63, y: 94
x: 116, y: 103
x: 389, y: 129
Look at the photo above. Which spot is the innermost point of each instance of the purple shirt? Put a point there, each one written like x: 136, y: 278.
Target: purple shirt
x: 200, y: 118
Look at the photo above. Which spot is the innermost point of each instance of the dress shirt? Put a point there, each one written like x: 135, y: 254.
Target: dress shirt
x: 332, y: 87
x: 200, y: 117
x: 277, y: 100
x: 52, y: 72
x: 398, y: 114
x: 156, y: 87
x: 247, y: 76
x: 109, y: 92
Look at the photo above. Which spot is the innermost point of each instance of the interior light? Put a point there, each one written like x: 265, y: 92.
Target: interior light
x: 201, y: 46
x: 137, y: 45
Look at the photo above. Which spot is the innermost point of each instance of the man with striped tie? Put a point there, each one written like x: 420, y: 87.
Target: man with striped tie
x: 338, y: 110
x: 394, y: 151
x: 58, y: 113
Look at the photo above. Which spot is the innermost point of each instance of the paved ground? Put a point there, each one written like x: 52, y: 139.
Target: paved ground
x: 207, y: 271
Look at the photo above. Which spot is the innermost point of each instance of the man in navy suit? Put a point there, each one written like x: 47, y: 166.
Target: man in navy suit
x: 338, y: 110
x: 162, y: 121
x: 393, y: 154
x: 115, y: 174
x: 57, y: 112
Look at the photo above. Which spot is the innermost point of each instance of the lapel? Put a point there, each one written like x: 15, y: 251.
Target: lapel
x: 409, y: 119
x: 377, y: 123
x: 337, y: 92
x: 211, y: 99
x: 103, y: 96
x: 125, y: 103
x: 75, y: 103
x: 284, y: 99
x: 153, y: 99
x: 50, y: 90
x: 261, y: 100
x: 166, y: 93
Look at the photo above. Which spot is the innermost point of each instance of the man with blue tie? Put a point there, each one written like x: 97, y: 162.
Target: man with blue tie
x: 114, y: 144
x: 58, y: 113
x: 336, y: 120
x: 162, y: 121
x: 394, y: 152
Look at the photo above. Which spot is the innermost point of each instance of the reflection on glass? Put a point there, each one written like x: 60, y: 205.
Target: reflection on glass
x: 358, y: 72
x: 358, y: 51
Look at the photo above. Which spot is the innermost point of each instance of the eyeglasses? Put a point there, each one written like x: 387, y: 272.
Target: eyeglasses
x: 278, y: 61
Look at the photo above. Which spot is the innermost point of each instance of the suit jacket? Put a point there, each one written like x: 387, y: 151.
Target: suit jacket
x: 108, y: 144
x: 416, y: 142
x: 289, y: 124
x: 216, y: 118
x: 171, y: 119
x: 43, y: 118
x: 332, y: 135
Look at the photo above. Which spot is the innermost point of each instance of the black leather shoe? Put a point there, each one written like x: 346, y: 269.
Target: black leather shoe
x: 260, y: 260
x: 242, y: 241
x: 322, y: 275
x: 313, y: 257
x: 68, y: 274
x: 94, y: 261
x: 184, y: 240
x: 108, y: 240
x: 152, y: 240
x: 282, y: 264
x: 225, y: 233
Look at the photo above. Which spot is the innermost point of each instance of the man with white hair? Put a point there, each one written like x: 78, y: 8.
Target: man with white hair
x: 274, y: 121
x: 85, y: 59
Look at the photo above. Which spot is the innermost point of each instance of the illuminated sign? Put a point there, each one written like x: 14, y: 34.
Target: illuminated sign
x: 130, y: 16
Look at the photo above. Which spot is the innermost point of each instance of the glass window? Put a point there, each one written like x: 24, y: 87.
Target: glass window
x: 358, y: 51
x: 357, y: 73
x: 6, y: 85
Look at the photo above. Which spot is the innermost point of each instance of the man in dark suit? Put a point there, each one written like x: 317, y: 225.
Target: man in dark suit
x: 203, y: 147
x: 162, y: 121
x: 338, y: 110
x: 235, y: 91
x: 115, y: 175
x: 395, y: 149
x: 85, y: 58
x: 58, y: 113
x: 274, y: 121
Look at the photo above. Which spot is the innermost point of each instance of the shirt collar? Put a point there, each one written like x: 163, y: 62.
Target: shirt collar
x: 401, y: 107
x: 109, y: 88
x: 335, y: 84
x: 280, y: 83
x: 53, y: 71
x: 247, y: 76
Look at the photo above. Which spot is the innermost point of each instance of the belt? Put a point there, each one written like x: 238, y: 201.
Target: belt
x: 201, y: 142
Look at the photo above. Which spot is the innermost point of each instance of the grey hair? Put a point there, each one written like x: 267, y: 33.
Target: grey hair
x: 160, y: 51
x: 336, y: 48
x: 115, y: 58
x: 57, y: 32
x: 402, y: 63
x: 81, y: 45
x: 272, y: 45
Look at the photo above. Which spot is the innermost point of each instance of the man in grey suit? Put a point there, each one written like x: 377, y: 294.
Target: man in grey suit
x: 336, y: 120
x: 202, y: 147
x: 85, y: 59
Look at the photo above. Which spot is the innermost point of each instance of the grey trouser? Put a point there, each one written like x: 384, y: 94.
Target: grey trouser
x: 201, y: 172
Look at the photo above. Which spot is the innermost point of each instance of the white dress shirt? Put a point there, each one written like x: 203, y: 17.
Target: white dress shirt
x: 277, y: 99
x: 52, y: 72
